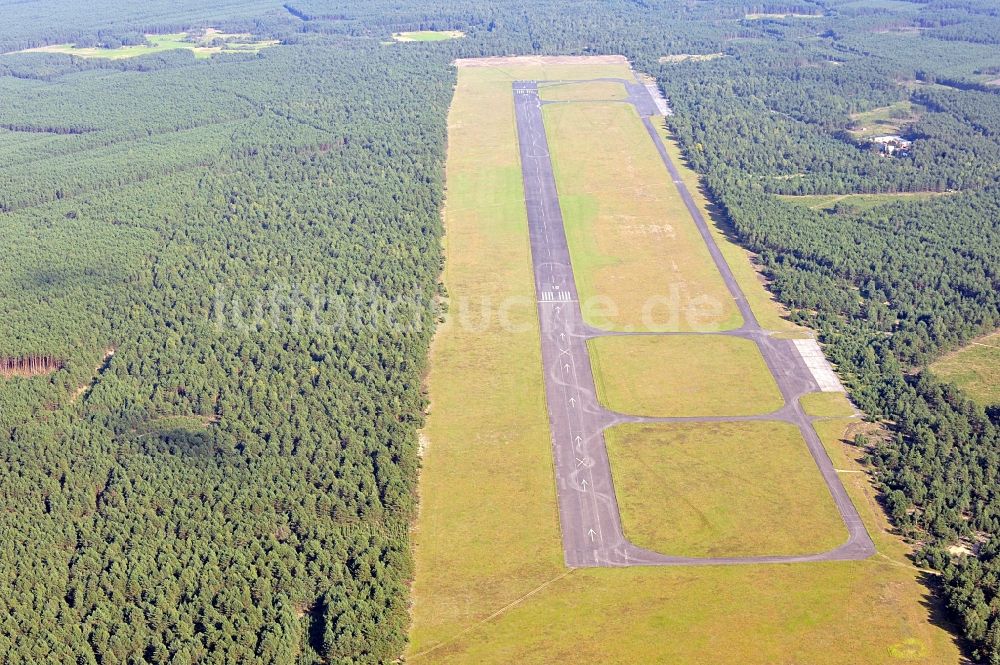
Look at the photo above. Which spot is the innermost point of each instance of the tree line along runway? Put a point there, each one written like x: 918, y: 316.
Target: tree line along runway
x: 589, y: 516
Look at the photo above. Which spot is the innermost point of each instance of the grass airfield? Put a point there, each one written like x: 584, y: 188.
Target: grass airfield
x: 490, y: 585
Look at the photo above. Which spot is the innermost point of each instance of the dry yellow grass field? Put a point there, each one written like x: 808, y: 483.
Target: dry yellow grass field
x: 490, y: 585
x: 827, y: 405
x: 721, y: 489
x: 488, y: 531
x: 602, y: 90
x: 696, y: 375
x: 769, y: 312
x: 633, y: 243
x: 975, y: 368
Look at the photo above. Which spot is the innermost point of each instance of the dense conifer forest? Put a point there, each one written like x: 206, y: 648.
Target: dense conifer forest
x: 230, y: 266
x: 216, y: 253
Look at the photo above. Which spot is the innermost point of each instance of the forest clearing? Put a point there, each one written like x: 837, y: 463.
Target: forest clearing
x: 533, y: 331
x: 488, y: 563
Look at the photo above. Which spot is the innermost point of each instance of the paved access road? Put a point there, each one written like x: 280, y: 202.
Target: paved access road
x: 588, y: 509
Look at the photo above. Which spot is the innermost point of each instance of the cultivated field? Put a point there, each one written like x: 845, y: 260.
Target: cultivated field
x: 698, y: 375
x: 639, y: 262
x: 721, y: 489
x: 490, y: 584
x: 975, y: 369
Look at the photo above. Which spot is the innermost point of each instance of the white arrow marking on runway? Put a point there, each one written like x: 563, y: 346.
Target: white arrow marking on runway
x: 584, y: 484
x: 591, y: 533
x: 578, y: 440
x: 558, y: 309
x: 562, y: 337
x: 566, y: 367
x: 572, y: 401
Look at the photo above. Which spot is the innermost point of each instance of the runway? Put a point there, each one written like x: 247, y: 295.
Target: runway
x: 589, y: 518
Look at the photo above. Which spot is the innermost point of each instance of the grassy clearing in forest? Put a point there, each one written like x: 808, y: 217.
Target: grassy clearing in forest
x: 762, y: 15
x: 689, y: 57
x: 639, y: 261
x: 885, y: 120
x: 975, y: 368
x: 490, y: 582
x: 427, y: 35
x: 721, y: 489
x: 204, y: 44
x: 697, y: 375
x: 859, y: 202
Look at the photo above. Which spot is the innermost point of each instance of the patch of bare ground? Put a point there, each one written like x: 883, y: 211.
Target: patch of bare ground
x: 541, y: 60
x: 302, y: 609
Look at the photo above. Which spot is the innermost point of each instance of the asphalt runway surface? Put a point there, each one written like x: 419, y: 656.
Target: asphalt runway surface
x: 589, y: 517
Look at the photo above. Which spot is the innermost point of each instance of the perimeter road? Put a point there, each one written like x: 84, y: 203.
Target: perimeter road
x: 590, y: 521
